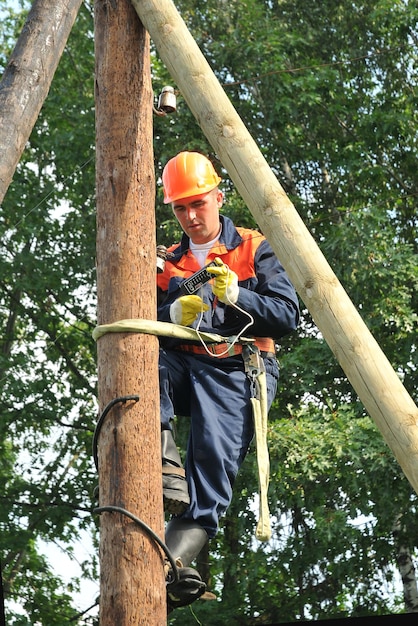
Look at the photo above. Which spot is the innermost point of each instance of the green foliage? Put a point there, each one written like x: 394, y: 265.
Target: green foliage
x: 329, y: 92
x: 47, y: 360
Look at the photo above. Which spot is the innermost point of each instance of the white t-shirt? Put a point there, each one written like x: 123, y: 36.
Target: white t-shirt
x: 201, y: 250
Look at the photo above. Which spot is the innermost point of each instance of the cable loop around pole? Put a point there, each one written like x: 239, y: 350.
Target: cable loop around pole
x: 117, y: 509
x: 108, y: 407
x: 147, y: 529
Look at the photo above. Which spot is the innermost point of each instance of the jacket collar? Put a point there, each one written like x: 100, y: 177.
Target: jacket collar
x: 229, y: 237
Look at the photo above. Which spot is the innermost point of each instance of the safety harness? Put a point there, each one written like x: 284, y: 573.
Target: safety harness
x: 254, y: 367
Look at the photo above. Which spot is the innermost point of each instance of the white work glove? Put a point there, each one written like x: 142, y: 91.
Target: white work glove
x: 225, y: 285
x: 185, y: 309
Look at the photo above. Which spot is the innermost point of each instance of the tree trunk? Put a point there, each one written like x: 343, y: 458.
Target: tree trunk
x: 28, y: 76
x: 406, y: 566
x: 409, y: 579
x: 129, y: 448
x: 2, y: 613
x: 367, y: 368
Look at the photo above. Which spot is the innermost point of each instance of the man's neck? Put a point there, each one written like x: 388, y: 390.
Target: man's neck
x: 200, y: 250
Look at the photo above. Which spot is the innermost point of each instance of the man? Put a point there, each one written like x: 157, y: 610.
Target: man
x: 250, y: 295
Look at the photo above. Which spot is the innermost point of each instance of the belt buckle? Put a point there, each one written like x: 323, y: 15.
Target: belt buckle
x: 232, y: 346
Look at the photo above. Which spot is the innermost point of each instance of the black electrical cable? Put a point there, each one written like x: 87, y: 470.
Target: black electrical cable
x: 118, y: 509
x: 110, y: 405
x: 147, y: 529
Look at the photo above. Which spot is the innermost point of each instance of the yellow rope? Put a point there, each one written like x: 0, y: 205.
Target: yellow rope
x: 259, y: 405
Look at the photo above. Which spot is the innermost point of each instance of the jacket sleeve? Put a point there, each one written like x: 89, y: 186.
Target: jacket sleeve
x: 270, y: 298
x: 166, y: 298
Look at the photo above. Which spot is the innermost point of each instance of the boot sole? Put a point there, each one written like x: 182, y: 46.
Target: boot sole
x: 175, y: 494
x: 173, y: 503
x: 187, y: 590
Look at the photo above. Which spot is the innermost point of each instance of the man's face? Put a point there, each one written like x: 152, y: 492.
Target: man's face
x: 199, y: 215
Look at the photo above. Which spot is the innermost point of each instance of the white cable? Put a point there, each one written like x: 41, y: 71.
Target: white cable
x: 237, y: 337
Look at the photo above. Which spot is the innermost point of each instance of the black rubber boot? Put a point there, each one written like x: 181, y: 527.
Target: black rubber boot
x: 184, y: 539
x: 175, y: 491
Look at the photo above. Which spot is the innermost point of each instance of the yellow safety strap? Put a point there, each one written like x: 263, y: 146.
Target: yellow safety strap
x: 259, y: 404
x: 260, y: 414
x: 151, y: 327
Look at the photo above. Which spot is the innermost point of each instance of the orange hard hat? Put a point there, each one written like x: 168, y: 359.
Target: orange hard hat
x: 188, y: 174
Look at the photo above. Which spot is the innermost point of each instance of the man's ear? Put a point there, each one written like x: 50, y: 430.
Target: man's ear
x: 220, y: 198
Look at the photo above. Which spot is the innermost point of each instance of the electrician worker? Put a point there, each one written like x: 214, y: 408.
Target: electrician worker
x: 250, y: 292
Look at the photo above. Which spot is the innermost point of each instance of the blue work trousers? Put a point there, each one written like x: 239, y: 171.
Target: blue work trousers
x: 215, y: 393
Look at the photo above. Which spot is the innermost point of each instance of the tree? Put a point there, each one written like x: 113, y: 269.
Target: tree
x: 330, y: 173
x: 47, y: 357
x: 328, y: 91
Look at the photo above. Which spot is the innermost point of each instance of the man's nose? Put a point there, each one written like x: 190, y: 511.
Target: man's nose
x: 191, y: 214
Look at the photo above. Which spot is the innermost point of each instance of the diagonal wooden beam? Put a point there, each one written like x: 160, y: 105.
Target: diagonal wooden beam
x: 367, y: 368
x: 27, y: 78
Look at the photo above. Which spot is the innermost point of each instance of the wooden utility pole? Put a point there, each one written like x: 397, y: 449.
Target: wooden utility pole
x: 132, y: 585
x: 27, y: 78
x: 365, y: 365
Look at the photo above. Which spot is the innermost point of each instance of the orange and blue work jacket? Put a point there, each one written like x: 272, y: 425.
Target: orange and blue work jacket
x: 266, y: 292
